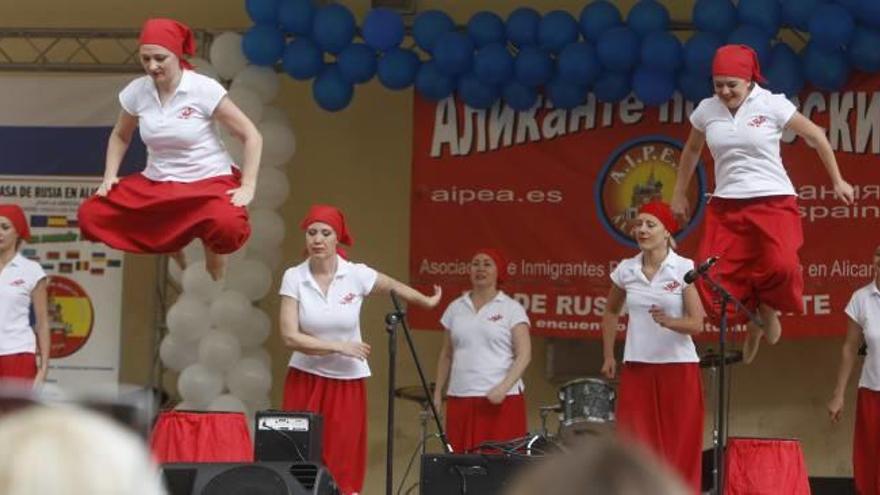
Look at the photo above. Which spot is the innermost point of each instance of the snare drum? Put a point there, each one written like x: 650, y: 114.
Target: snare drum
x: 587, y: 406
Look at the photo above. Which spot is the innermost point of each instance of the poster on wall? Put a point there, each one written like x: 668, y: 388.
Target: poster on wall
x: 555, y: 189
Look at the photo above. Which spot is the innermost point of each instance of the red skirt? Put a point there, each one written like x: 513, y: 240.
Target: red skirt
x: 343, y: 406
x: 182, y: 436
x: 661, y: 406
x: 757, y: 240
x: 866, y: 443
x: 145, y: 216
x: 755, y: 466
x: 470, y: 421
x: 21, y: 366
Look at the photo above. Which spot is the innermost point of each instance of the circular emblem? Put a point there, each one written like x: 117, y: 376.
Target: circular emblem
x: 71, y: 316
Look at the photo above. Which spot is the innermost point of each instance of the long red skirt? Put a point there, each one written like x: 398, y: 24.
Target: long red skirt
x: 866, y: 443
x: 757, y: 240
x: 755, y: 466
x: 470, y: 421
x: 21, y: 366
x: 140, y: 215
x: 661, y: 406
x: 189, y: 436
x: 343, y: 406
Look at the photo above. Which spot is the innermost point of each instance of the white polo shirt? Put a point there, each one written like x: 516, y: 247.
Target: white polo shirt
x: 335, y: 317
x: 17, y: 281
x: 183, y: 142
x: 646, y: 340
x: 482, y: 344
x: 864, y: 309
x: 745, y: 147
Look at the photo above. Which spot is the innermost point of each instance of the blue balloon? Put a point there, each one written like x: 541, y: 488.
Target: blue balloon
x: 533, y: 66
x: 382, y: 29
x: 796, y: 13
x: 831, y: 26
x: 754, y: 37
x: 784, y: 74
x: 475, y: 93
x: 598, y: 17
x: 433, y: 84
x: 486, y: 28
x: 454, y: 53
x: 653, y: 87
x: 331, y: 90
x: 357, y: 63
x: 619, y: 49
x: 662, y: 51
x: 302, y: 59
x: 578, y: 64
x: 862, y: 50
x: 333, y: 27
x: 493, y: 64
x: 522, y: 26
x: 519, y: 96
x: 828, y: 70
x: 694, y: 87
x: 262, y: 11
x: 398, y: 68
x: 566, y: 95
x: 699, y: 51
x: 648, y: 16
x: 612, y: 87
x: 868, y: 12
x: 263, y: 45
x: 429, y: 26
x: 764, y: 14
x: 715, y: 16
x: 296, y: 16
x: 556, y: 30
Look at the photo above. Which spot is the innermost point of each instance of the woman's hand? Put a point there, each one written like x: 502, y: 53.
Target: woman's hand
x: 41, y: 377
x: 679, y: 206
x: 434, y: 299
x: 496, y: 395
x: 242, y: 196
x: 844, y: 191
x: 360, y: 350
x: 106, y: 186
x: 660, y: 317
x: 835, y: 408
x: 609, y: 368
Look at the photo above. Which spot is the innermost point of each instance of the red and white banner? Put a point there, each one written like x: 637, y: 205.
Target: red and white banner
x: 553, y: 189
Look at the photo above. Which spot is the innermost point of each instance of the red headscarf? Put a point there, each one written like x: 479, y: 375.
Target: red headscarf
x: 499, y: 260
x: 663, y: 213
x: 737, y: 61
x: 333, y: 217
x: 16, y: 216
x: 175, y: 36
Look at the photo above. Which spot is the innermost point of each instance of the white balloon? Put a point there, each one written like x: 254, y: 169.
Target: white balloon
x: 276, y: 115
x: 273, y: 257
x: 258, y: 353
x: 197, y: 282
x: 231, y: 309
x: 251, y: 277
x: 256, y: 331
x: 237, y: 256
x: 176, y: 354
x: 199, y: 385
x: 226, y: 54
x: 187, y: 319
x: 262, y: 80
x: 194, y: 252
x: 249, y: 380
x: 267, y: 229
x: 204, y: 67
x: 272, y: 190
x: 279, y: 144
x: 228, y: 403
x: 248, y: 101
x: 219, y: 350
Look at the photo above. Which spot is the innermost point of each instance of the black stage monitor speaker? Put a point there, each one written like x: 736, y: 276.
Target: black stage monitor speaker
x: 262, y: 478
x: 288, y: 436
x: 483, y: 474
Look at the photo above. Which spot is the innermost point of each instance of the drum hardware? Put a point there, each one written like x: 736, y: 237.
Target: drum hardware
x: 587, y: 408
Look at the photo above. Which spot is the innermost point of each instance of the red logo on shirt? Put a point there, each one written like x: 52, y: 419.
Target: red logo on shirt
x: 17, y: 282
x: 495, y: 317
x: 757, y: 121
x: 186, y: 113
x: 348, y: 298
x: 671, y: 286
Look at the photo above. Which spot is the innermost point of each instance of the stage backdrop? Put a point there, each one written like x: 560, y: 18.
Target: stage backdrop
x: 53, y: 133
x: 554, y: 189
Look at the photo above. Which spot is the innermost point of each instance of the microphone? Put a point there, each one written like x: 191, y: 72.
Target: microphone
x: 691, y: 276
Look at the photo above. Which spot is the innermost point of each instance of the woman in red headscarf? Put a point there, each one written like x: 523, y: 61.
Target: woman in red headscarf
x: 659, y: 397
x: 320, y: 321
x: 486, y: 349
x: 22, y: 286
x: 752, y: 224
x: 190, y: 188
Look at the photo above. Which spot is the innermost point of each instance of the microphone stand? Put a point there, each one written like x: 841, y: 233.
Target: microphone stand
x: 392, y: 320
x: 719, y: 435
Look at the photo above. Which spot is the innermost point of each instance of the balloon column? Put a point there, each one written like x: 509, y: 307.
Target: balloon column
x: 490, y: 59
x: 215, y: 332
